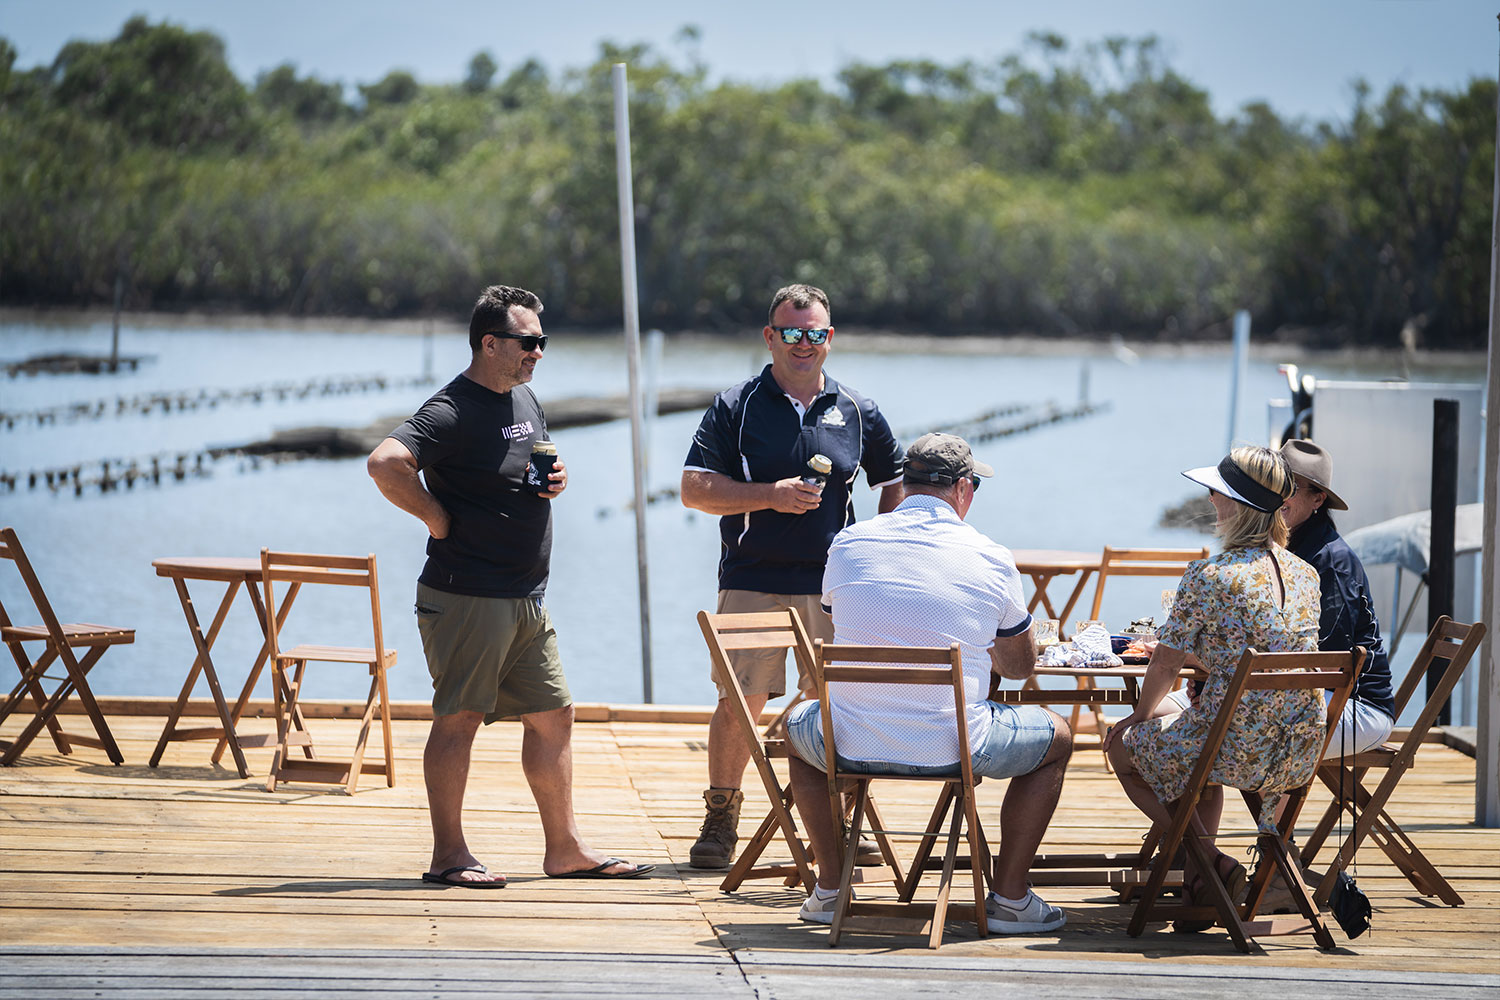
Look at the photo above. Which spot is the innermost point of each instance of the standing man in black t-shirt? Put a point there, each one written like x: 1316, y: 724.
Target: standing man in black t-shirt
x: 747, y: 464
x: 489, y: 643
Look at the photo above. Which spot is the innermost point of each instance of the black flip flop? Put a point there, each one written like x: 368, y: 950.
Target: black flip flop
x: 445, y: 878
x: 598, y: 870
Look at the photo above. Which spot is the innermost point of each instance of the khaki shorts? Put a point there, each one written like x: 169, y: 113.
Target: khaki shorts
x: 493, y: 655
x: 763, y: 672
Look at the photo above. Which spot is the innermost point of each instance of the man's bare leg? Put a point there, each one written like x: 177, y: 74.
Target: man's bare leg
x: 547, y: 759
x: 445, y: 768
x: 728, y: 750
x: 810, y: 790
x: 1030, y: 801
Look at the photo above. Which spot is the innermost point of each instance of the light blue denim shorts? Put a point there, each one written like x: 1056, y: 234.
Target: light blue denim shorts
x: 1014, y: 743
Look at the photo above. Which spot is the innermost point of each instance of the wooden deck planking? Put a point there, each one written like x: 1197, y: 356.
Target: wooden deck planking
x: 188, y: 855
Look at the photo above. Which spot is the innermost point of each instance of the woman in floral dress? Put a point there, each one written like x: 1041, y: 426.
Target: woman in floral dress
x: 1254, y: 593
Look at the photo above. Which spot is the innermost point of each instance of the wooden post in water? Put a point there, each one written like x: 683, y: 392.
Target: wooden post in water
x: 427, y: 351
x: 633, y: 356
x: 114, y: 339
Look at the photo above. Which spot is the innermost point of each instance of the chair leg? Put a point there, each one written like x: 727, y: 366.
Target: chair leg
x: 78, y: 671
x: 31, y: 683
x: 287, y: 692
x: 385, y: 731
x: 933, y: 831
x: 978, y: 863
x: 887, y: 849
x: 945, y: 881
x: 357, y: 761
x: 1291, y: 874
x: 846, y: 877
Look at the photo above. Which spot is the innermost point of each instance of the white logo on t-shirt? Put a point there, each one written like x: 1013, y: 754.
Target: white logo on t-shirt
x: 515, y: 431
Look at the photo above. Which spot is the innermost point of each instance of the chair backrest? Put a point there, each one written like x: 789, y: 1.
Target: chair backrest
x: 1334, y: 672
x: 1141, y: 562
x: 10, y: 548
x: 297, y: 568
x: 752, y: 630
x: 1451, y: 641
x: 844, y: 663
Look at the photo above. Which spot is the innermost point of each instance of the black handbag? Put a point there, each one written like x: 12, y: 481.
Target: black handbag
x: 1348, y: 902
x: 1349, y: 905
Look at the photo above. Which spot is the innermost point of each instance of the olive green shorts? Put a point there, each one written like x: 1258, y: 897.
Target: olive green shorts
x: 493, y: 655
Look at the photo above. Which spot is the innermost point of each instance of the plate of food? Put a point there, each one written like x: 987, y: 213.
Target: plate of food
x: 1131, y: 649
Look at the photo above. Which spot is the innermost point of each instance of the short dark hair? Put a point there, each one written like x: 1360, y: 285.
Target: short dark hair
x: 801, y: 297
x: 492, y: 311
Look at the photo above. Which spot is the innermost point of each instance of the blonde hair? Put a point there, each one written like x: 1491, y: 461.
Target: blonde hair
x: 1246, y: 527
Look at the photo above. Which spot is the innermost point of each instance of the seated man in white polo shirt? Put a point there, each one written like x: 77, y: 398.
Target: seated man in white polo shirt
x: 920, y: 576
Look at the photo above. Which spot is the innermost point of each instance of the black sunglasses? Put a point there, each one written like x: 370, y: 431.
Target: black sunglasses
x: 975, y: 481
x: 793, y: 335
x: 529, y: 341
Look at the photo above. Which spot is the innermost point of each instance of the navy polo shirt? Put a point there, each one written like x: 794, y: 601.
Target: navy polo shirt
x: 753, y: 434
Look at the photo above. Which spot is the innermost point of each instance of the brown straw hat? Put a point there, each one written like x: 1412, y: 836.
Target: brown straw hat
x: 1311, y: 462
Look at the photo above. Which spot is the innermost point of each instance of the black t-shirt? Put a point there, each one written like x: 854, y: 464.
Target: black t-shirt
x: 473, y: 447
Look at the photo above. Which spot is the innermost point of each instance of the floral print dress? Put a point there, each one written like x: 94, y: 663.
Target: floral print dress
x: 1224, y: 604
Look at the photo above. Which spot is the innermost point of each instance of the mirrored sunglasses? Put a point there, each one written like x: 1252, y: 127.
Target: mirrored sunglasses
x: 793, y: 335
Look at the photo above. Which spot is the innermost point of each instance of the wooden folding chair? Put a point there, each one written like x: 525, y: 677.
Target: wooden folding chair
x: 61, y: 641
x: 1257, y: 671
x: 897, y: 665
x: 1130, y: 562
x: 771, y: 630
x: 289, y: 667
x: 1456, y: 643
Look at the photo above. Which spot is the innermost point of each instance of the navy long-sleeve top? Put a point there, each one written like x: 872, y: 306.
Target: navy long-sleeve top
x: 1348, y: 618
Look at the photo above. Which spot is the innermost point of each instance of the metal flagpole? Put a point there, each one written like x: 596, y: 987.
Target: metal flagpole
x: 633, y: 356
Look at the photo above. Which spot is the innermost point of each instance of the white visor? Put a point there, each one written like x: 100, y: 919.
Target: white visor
x: 1210, y: 477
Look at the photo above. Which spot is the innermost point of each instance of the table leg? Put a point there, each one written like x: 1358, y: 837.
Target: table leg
x: 205, y: 662
x: 1039, y: 595
x: 1083, y: 579
x: 192, y: 678
x: 259, y: 604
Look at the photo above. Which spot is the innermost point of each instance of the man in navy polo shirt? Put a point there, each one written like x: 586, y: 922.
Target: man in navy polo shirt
x: 747, y: 464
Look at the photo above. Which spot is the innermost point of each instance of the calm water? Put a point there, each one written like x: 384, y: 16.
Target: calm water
x: 1075, y: 485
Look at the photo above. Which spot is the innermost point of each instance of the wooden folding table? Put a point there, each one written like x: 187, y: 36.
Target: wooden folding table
x: 232, y: 571
x: 1123, y: 871
x: 1042, y: 565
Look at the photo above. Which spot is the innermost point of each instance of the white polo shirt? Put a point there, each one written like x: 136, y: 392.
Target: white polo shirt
x: 918, y: 576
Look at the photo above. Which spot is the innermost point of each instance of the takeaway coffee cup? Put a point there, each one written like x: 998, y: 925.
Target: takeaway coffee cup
x: 543, y: 464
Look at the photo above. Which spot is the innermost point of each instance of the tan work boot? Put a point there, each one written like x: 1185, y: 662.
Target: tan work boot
x: 1278, y: 898
x: 717, y: 836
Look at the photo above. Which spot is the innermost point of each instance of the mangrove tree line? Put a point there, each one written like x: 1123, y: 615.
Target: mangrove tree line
x: 1062, y: 189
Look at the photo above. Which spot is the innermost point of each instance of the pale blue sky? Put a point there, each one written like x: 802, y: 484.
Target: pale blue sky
x: 1299, y: 55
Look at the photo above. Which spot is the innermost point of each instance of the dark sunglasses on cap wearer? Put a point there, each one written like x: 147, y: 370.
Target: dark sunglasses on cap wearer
x: 529, y: 341
x: 793, y: 335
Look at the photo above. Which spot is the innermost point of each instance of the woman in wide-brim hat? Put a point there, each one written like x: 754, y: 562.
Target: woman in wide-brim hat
x: 1253, y: 593
x: 1348, y: 617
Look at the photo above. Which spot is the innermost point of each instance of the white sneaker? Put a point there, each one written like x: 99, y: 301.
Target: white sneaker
x: 817, y: 910
x: 1035, y: 917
